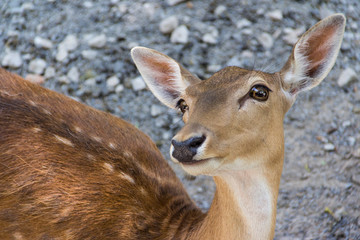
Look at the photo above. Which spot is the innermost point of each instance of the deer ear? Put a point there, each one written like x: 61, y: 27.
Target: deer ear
x: 314, y: 55
x: 164, y: 76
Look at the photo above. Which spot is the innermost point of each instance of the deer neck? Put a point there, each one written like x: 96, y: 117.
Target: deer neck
x: 244, y: 205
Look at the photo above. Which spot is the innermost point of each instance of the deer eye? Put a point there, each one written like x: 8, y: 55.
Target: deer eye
x: 182, y: 106
x: 259, y: 92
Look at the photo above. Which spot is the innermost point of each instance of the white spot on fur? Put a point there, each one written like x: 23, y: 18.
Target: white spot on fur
x: 127, y: 177
x: 32, y: 103
x: 90, y: 157
x: 64, y: 140
x: 36, y: 130
x: 143, y: 191
x: 78, y: 129
x: 97, y: 139
x: 112, y: 145
x: 18, y: 236
x: 66, y: 211
x: 47, y: 112
x: 128, y: 154
x: 108, y: 167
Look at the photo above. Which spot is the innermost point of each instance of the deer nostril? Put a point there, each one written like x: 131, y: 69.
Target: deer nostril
x: 196, y: 142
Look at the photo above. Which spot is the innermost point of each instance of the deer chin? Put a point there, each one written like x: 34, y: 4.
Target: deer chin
x: 206, y: 166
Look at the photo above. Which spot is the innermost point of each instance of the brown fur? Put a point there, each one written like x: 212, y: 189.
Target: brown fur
x: 72, y: 188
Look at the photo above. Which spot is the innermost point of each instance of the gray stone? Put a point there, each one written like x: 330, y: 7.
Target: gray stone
x: 156, y: 110
x: 275, y: 15
x: 292, y: 35
x: 12, y: 60
x: 174, y: 2
x: 347, y: 76
x: 49, y: 72
x: 329, y: 147
x: 73, y: 74
x: 138, y: 84
x: 70, y: 43
x: 27, y: 6
x: 211, y: 38
x: 219, y: 10
x: 119, y: 88
x: 61, y: 54
x: 243, y: 23
x: 168, y: 24
x: 89, y: 54
x: 42, y: 43
x: 265, y: 40
x: 112, y: 82
x: 37, y: 66
x: 88, y: 4
x: 98, y: 41
x: 213, y: 68
x: 180, y: 35
x: 351, y: 141
x: 91, y: 82
x: 63, y: 79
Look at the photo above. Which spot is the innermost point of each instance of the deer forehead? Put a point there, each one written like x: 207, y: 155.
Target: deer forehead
x: 219, y: 92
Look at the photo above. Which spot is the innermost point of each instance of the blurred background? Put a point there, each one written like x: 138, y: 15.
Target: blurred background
x: 82, y: 49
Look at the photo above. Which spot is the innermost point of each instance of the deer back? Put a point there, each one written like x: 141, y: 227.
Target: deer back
x: 69, y: 171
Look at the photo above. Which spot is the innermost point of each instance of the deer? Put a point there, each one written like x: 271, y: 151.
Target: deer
x: 69, y: 171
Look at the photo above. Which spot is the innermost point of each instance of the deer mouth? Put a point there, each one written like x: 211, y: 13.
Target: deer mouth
x: 194, y: 162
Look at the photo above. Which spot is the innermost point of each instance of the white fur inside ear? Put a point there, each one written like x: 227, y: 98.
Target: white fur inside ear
x: 169, y: 93
x: 314, y: 54
x: 297, y: 75
x: 161, y: 73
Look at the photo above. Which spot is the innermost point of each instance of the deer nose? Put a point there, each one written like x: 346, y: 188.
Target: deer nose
x: 185, y: 151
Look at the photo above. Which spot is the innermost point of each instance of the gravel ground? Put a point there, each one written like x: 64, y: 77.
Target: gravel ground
x: 81, y: 49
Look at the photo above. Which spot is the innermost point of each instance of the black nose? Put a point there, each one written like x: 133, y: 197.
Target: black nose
x: 186, y: 150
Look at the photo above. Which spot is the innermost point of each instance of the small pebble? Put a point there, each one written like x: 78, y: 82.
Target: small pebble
x: 119, y: 88
x: 180, y: 35
x: 49, y: 72
x: 329, y: 147
x: 174, y: 2
x: 70, y: 43
x: 12, y: 60
x: 265, y: 40
x: 40, y: 42
x: 88, y: 4
x: 351, y: 141
x: 168, y: 24
x: 292, y: 35
x: 98, y: 41
x: 112, y: 82
x: 243, y: 23
x: 219, y: 10
x: 89, y: 54
x: 138, y: 84
x: 37, y: 66
x: 275, y: 15
x: 156, y: 110
x: 61, y: 54
x: 209, y: 38
x: 73, y: 74
x: 347, y: 76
